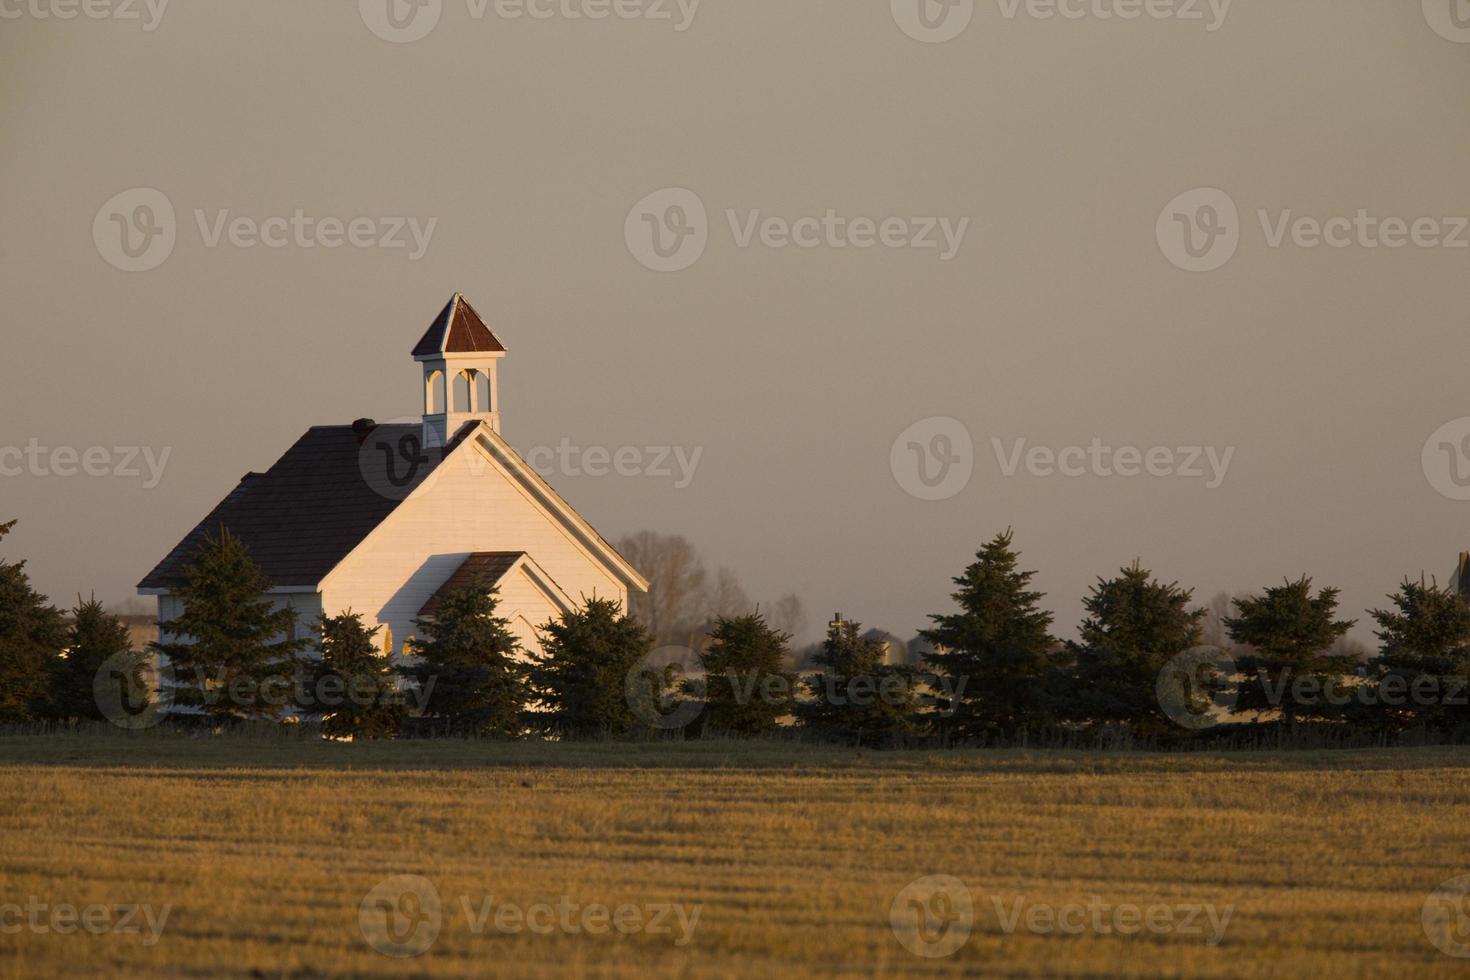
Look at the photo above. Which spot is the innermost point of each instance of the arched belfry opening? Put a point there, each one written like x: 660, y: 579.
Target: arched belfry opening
x: 464, y: 389
x: 434, y: 403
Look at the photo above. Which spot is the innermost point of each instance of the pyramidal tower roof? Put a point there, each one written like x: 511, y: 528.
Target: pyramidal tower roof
x: 458, y: 329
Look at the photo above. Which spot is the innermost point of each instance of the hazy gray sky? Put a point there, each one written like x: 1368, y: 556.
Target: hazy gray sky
x: 528, y: 141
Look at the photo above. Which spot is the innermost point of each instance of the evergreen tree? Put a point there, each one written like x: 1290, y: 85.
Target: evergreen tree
x: 351, y: 687
x: 1290, y: 664
x: 1419, y: 677
x: 747, y: 690
x: 97, y: 642
x: 996, y: 655
x: 857, y: 698
x: 232, y: 651
x: 581, y: 675
x: 1134, y: 625
x: 32, y: 634
x: 467, y: 673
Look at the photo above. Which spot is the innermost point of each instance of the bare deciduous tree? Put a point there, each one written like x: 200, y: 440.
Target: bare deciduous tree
x: 726, y: 598
x: 683, y: 599
x: 676, y: 576
x: 788, y: 614
x: 1212, y: 627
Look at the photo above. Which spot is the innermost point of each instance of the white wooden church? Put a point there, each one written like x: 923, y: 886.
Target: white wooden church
x: 382, y: 519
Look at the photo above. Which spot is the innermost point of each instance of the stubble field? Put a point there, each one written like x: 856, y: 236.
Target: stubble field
x: 268, y: 857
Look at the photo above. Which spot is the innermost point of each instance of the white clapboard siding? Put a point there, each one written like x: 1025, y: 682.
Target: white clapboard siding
x: 308, y: 606
x: 468, y: 505
x: 527, y: 607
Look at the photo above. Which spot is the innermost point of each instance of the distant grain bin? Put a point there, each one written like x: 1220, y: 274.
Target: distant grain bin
x: 895, y: 651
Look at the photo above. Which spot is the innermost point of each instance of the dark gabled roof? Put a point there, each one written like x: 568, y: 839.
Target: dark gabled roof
x: 457, y: 329
x: 483, y: 568
x: 301, y: 517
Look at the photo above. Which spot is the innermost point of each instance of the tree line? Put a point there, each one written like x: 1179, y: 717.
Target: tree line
x: 47, y: 666
x: 995, y: 674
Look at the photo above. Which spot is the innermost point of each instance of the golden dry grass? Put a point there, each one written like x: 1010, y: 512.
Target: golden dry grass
x: 264, y: 849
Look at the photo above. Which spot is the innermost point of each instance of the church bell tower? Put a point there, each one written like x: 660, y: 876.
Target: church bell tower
x: 459, y: 356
